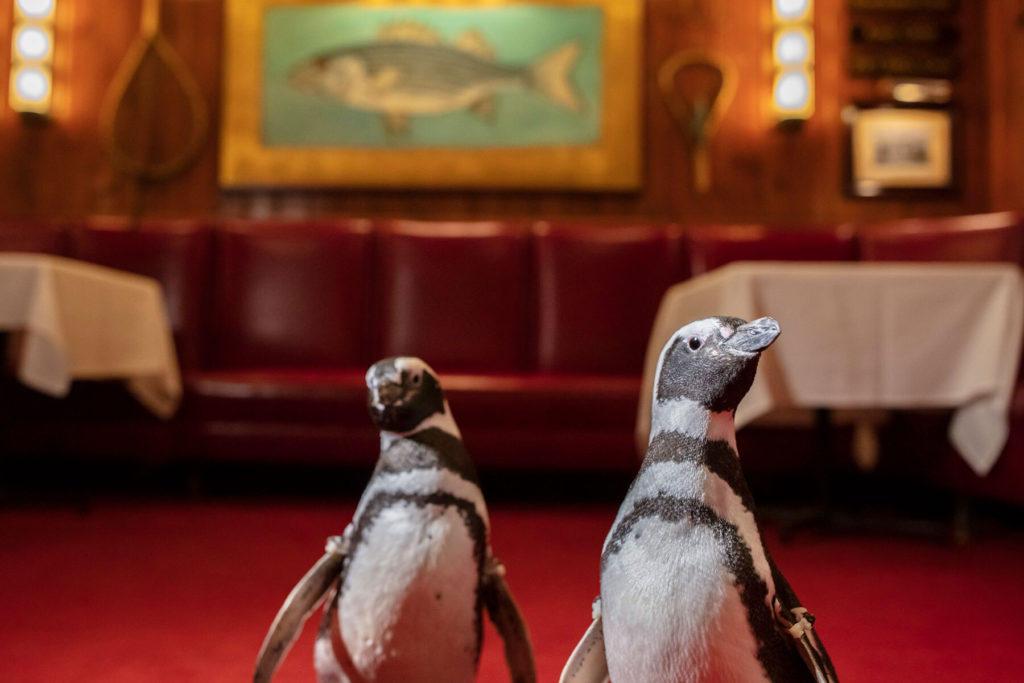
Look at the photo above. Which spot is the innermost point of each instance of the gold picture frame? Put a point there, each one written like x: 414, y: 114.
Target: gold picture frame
x: 283, y: 106
x: 900, y: 150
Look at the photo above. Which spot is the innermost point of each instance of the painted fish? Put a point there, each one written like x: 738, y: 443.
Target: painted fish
x: 408, y: 71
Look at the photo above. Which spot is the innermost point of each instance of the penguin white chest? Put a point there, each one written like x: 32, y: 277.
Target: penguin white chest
x: 666, y: 596
x: 408, y: 608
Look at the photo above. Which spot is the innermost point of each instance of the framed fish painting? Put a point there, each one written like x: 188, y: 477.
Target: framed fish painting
x: 527, y: 94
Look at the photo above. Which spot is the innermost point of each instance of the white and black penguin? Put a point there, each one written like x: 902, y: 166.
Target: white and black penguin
x: 688, y: 591
x: 406, y: 584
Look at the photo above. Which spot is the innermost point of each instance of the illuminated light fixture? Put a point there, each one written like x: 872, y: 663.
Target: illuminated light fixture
x: 31, y: 89
x: 792, y: 10
x: 31, y: 84
x: 909, y: 92
x: 792, y: 90
x: 32, y: 42
x: 792, y: 46
x: 35, y: 9
x: 921, y: 90
x: 792, y: 60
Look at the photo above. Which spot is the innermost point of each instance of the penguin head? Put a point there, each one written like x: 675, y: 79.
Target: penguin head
x: 712, y: 361
x: 402, y: 393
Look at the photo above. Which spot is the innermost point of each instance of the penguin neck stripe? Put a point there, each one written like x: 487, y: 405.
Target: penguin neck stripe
x: 425, y: 449
x: 668, y: 508
x: 719, y: 457
x: 423, y: 481
x: 442, y: 420
x: 689, y: 417
x: 776, y: 655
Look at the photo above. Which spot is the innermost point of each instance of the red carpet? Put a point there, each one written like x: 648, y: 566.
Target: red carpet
x: 179, y: 592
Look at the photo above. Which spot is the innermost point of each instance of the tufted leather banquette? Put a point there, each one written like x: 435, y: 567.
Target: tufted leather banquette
x: 538, y: 328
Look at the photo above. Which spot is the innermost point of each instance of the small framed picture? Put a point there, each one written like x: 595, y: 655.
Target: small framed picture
x: 900, y: 150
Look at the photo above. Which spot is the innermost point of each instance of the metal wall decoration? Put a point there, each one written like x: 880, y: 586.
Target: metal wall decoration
x: 432, y: 94
x: 697, y: 88
x: 150, y: 57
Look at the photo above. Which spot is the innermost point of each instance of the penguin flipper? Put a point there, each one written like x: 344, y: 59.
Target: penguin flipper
x: 810, y: 647
x: 300, y: 603
x: 588, y: 663
x: 504, y: 613
x: 799, y: 624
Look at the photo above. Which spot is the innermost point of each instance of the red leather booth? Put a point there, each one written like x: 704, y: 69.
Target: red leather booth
x: 711, y: 246
x: 538, y: 329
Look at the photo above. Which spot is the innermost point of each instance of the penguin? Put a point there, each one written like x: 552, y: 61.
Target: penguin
x: 405, y: 585
x: 689, y: 593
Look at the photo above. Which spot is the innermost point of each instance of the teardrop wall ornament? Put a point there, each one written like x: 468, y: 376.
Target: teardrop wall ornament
x: 697, y: 88
x: 150, y: 54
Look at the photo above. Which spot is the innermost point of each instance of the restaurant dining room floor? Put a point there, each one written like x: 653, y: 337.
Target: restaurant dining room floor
x: 152, y: 586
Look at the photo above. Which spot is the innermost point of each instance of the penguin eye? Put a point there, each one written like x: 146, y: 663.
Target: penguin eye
x: 694, y: 343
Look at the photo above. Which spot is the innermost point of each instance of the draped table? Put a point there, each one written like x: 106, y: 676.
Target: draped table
x: 69, y: 320
x: 868, y: 336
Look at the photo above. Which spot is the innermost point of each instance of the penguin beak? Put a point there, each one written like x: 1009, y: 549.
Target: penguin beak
x: 753, y: 337
x: 384, y: 383
x: 387, y: 393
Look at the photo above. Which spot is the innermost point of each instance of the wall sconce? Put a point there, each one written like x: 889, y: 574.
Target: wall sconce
x: 31, y: 87
x: 792, y: 60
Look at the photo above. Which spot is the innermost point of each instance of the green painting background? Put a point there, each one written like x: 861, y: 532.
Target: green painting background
x: 519, y: 34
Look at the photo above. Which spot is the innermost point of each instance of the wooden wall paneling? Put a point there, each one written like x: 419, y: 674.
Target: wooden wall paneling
x: 8, y: 162
x: 1005, y: 55
x: 973, y: 89
x: 760, y: 174
x: 192, y: 27
x: 968, y: 88
x: 54, y: 162
x: 824, y: 156
x: 70, y: 173
x: 666, y: 158
x: 96, y: 41
x: 723, y: 29
x: 17, y: 168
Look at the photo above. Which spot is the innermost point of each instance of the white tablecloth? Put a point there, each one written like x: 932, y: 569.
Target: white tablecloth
x: 74, y: 320
x: 869, y: 335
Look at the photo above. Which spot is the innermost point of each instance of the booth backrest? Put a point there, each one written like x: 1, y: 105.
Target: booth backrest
x: 493, y: 297
x: 455, y: 293
x: 712, y: 246
x: 292, y: 294
x: 32, y: 235
x: 597, y: 290
x: 979, y: 237
x: 177, y: 253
